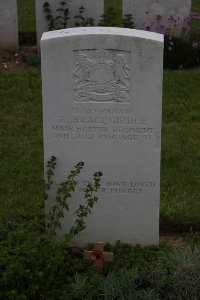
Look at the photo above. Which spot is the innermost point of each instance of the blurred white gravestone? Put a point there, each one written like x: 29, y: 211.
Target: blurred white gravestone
x: 102, y: 102
x: 8, y: 25
x: 92, y: 9
x: 153, y: 13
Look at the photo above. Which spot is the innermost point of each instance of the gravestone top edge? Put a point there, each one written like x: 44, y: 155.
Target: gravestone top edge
x: 115, y: 31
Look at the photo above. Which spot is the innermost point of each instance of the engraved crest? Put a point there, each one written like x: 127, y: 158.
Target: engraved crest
x: 101, y: 76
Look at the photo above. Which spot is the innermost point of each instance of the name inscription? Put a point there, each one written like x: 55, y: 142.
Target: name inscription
x: 102, y: 124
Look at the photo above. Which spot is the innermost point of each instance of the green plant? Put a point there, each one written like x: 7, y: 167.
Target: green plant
x: 78, y: 286
x: 81, y: 21
x: 60, y: 20
x: 119, y: 285
x: 193, y: 238
x: 128, y: 21
x: 64, y: 192
x: 185, y: 269
x: 32, y: 60
x: 157, y: 275
x: 30, y: 262
x: 125, y: 285
x: 183, y: 54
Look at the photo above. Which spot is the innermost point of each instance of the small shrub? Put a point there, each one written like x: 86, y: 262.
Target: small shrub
x: 183, y: 55
x: 185, y: 269
x: 30, y: 262
x: 64, y: 192
x: 148, y: 294
x: 81, y: 21
x: 193, y: 239
x: 33, y: 60
x: 124, y: 285
x: 157, y: 276
x: 128, y: 21
x: 118, y: 285
x: 60, y: 20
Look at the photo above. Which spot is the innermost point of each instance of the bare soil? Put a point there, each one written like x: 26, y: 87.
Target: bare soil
x: 175, y: 239
x: 25, y: 57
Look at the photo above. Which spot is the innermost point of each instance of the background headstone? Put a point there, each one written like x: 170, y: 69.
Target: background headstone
x: 8, y: 25
x: 102, y: 98
x: 163, y: 9
x: 93, y: 9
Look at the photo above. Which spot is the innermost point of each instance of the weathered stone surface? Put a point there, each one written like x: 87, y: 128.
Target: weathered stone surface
x: 93, y: 9
x: 159, y: 12
x: 102, y: 98
x: 8, y: 25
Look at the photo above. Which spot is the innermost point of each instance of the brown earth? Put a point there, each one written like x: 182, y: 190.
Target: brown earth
x: 25, y: 57
x: 175, y: 239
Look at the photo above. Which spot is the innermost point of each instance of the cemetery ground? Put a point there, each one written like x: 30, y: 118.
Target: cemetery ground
x: 32, y: 264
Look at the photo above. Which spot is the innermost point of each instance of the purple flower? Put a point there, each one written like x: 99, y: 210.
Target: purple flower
x: 158, y: 17
x: 147, y: 26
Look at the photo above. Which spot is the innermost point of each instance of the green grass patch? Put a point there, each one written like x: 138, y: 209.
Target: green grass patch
x: 180, y: 148
x: 26, y: 15
x: 21, y: 140
x: 196, y: 5
x: 114, y: 8
x: 22, y: 152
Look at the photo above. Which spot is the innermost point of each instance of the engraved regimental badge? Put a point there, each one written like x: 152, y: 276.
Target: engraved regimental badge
x: 101, y: 76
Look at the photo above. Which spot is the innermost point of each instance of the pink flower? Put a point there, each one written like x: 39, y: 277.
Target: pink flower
x: 195, y: 45
x: 97, y: 256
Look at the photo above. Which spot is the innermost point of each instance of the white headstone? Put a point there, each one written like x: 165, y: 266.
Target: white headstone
x: 93, y: 9
x: 8, y: 25
x: 102, y: 98
x: 159, y: 12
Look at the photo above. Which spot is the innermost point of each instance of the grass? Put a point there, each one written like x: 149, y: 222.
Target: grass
x: 117, y: 6
x: 196, y: 5
x: 22, y: 153
x: 21, y: 140
x: 26, y: 15
x: 180, y: 148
